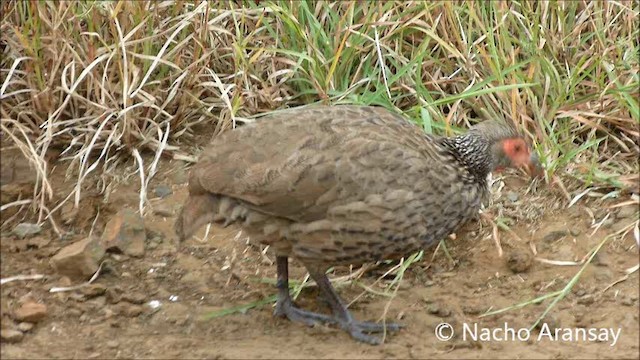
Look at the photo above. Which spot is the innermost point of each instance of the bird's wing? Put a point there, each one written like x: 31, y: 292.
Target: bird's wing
x: 298, y: 163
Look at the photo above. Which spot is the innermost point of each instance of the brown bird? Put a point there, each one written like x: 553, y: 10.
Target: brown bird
x: 340, y: 185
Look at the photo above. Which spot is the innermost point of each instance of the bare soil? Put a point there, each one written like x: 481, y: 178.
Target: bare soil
x: 220, y: 272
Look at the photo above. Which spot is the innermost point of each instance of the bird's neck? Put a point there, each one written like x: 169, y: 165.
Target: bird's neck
x: 473, y: 152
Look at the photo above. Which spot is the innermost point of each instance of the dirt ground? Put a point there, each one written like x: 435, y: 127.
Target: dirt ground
x: 201, y: 276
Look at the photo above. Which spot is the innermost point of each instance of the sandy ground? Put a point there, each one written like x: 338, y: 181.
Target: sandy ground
x: 221, y: 272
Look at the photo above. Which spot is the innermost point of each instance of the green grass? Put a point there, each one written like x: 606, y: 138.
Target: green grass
x: 564, y: 72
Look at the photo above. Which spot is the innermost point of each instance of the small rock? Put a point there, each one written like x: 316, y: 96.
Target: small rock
x: 68, y: 213
x: 519, y: 260
x: 555, y: 235
x: 23, y: 230
x: 114, y: 295
x: 25, y: 326
x: 627, y: 301
x: 512, y: 196
x: 38, y: 242
x: 575, y: 232
x: 94, y: 355
x: 580, y: 292
x: 125, y: 232
x: 94, y: 290
x: 180, y: 176
x: 472, y: 309
x: 551, y: 321
x: 108, y: 313
x: 586, y: 300
x: 163, y: 191
x: 604, y: 275
x: 74, y: 313
x: 433, y: 309
x: 31, y: 312
x: 112, y: 344
x: 628, y: 212
x: 163, y: 210
x: 134, y: 298
x: 79, y: 260
x: 11, y: 336
x: 133, y: 311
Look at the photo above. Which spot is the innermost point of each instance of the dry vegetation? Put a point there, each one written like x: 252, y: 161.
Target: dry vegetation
x: 101, y: 84
x: 97, y: 83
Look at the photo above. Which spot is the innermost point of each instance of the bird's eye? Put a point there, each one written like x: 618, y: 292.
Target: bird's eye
x: 518, y: 148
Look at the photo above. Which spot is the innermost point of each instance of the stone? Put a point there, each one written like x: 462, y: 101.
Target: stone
x: 628, y: 212
x: 31, y: 312
x: 130, y: 310
x: 519, y: 260
x: 181, y: 175
x: 112, y: 344
x: 134, y: 298
x: 24, y: 230
x: 94, y: 290
x: 114, y: 295
x: 163, y: 210
x: 79, y: 260
x: 512, y: 196
x: 555, y: 235
x: 68, y: 213
x: 25, y: 326
x: 125, y: 232
x: 162, y: 191
x: 11, y: 336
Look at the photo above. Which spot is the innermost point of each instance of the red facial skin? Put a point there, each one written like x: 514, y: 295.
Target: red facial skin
x: 517, y: 150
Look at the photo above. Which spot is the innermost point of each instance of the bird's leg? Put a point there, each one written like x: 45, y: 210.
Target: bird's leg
x: 284, y: 304
x: 343, y: 317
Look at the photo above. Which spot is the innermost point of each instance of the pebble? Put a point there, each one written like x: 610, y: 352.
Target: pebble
x: 134, y: 298
x: 74, y: 313
x: 472, y: 309
x: 555, y: 235
x: 94, y: 290
x: 114, y: 295
x: 551, y: 321
x: 31, y: 312
x: 180, y: 176
x: 25, y: 326
x: 79, y: 260
x: 112, y: 344
x: 603, y: 274
x: 627, y: 212
x: 512, y: 196
x: 11, y: 336
x: 627, y: 301
x: 586, y: 300
x: 519, y: 260
x: 163, y: 210
x: 23, y: 230
x: 163, y: 191
x: 125, y: 232
x: 132, y: 310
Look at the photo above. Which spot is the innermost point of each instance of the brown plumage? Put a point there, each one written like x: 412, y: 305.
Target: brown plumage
x: 339, y: 185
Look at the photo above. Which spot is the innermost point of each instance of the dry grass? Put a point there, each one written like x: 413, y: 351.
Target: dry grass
x: 105, y: 81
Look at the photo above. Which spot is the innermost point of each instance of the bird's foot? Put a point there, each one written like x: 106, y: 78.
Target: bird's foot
x: 357, y: 329
x: 309, y: 318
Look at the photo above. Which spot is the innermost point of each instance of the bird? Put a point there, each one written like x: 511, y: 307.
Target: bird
x: 331, y: 185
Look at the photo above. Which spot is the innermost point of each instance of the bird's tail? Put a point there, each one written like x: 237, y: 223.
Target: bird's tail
x: 197, y: 211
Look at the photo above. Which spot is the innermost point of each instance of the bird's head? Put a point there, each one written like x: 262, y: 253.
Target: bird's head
x: 498, y: 146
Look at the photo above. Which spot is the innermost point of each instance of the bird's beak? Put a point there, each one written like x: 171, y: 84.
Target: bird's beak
x: 534, y: 168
